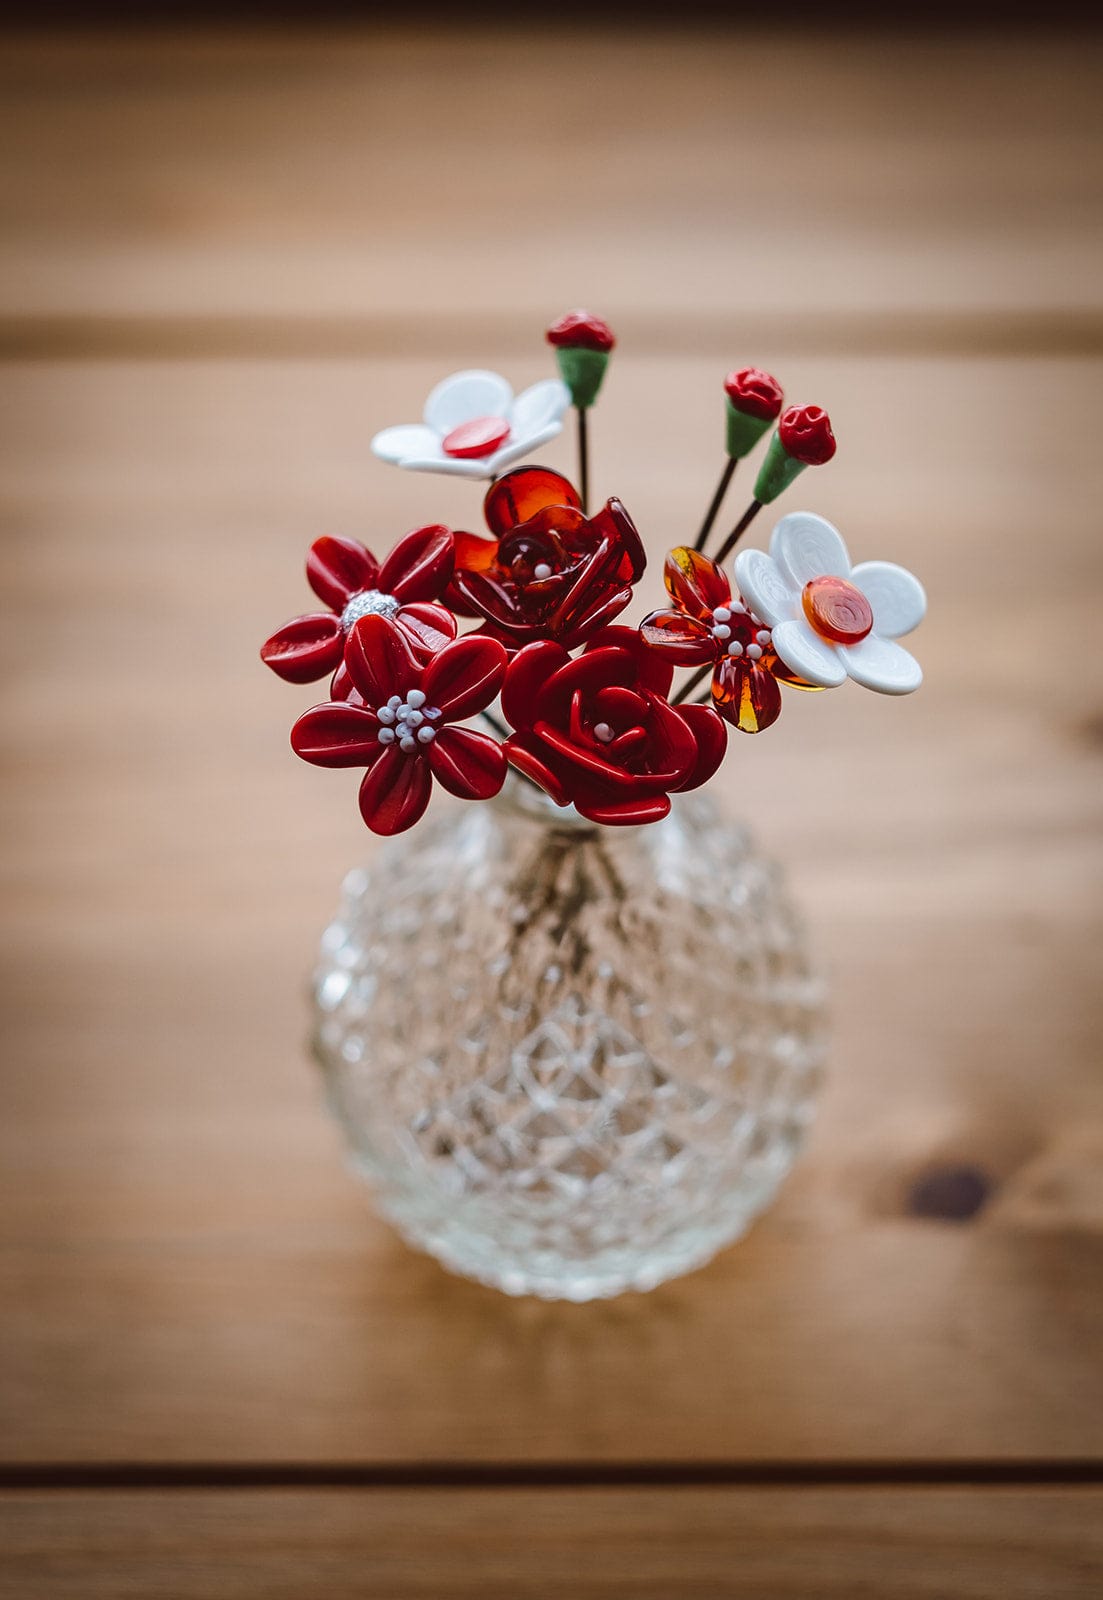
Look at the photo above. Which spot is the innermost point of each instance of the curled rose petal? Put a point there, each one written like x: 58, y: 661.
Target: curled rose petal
x: 337, y: 735
x: 528, y: 755
x: 465, y: 676
x: 711, y: 734
x: 653, y: 671
x: 379, y: 660
x: 395, y: 792
x: 420, y: 565
x: 468, y: 764
x: 305, y: 649
x: 624, y: 813
x: 338, y: 568
x: 517, y: 496
x: 527, y: 673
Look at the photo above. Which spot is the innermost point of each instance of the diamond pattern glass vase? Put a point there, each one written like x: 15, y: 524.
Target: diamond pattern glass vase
x: 571, y: 1060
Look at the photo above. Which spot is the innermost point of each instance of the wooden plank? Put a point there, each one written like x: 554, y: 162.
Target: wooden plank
x: 185, y: 1271
x: 437, y: 176
x: 594, y: 1544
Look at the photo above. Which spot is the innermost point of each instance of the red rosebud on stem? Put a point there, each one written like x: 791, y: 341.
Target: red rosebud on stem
x: 803, y: 439
x: 582, y: 344
x: 754, y: 401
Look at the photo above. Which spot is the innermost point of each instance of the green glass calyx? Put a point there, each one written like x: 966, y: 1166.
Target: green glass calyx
x: 744, y: 431
x: 582, y: 371
x: 777, y: 472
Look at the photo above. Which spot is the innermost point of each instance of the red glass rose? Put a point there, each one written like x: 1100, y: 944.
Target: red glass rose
x: 400, y: 723
x: 349, y: 580
x: 598, y: 732
x: 705, y: 625
x: 580, y: 330
x: 555, y: 575
x: 805, y: 432
x: 755, y: 393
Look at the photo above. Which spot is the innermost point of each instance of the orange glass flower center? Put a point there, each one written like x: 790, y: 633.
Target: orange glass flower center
x: 837, y: 610
x: 479, y: 437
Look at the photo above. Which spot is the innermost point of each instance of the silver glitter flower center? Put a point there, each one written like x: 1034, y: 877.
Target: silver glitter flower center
x: 368, y: 603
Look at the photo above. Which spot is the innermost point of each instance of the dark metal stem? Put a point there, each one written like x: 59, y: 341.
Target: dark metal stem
x: 583, y: 461
x: 687, y: 688
x: 738, y: 531
x: 717, y: 501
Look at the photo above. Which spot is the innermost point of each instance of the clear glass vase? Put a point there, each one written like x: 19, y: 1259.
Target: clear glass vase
x: 571, y: 1060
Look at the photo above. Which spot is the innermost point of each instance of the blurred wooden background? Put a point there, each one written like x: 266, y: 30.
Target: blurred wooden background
x: 228, y: 259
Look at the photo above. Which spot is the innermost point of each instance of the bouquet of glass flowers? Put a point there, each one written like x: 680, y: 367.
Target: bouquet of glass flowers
x: 570, y: 697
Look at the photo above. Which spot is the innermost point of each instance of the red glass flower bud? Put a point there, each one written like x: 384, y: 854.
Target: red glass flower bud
x: 806, y: 435
x: 578, y: 330
x: 755, y: 393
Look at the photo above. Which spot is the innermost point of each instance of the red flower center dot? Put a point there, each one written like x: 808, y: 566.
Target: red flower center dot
x: 837, y: 610
x: 479, y: 437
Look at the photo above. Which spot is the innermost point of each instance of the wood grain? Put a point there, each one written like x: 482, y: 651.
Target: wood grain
x: 187, y: 1272
x: 839, y: 1544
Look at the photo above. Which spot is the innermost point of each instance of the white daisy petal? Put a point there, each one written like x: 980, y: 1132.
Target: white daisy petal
x: 464, y: 396
x: 538, y: 406
x: 409, y: 439
x: 880, y: 664
x: 516, y: 448
x: 806, y: 546
x: 454, y: 466
x: 898, y: 599
x: 765, y: 587
x: 809, y: 656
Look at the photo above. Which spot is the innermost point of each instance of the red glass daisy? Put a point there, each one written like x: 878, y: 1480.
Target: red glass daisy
x: 402, y: 728
x: 598, y: 732
x: 548, y: 572
x: 349, y: 579
x: 707, y: 625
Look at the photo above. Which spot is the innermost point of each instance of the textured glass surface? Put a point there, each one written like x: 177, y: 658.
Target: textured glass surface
x: 571, y: 1060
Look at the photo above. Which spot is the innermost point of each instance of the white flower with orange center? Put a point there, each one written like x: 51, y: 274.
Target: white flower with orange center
x: 474, y: 426
x: 828, y: 620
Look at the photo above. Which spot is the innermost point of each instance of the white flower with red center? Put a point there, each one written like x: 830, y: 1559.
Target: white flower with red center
x: 474, y: 426
x: 828, y: 620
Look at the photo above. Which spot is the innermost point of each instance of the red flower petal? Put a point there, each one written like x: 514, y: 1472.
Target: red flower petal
x: 468, y: 764
x: 694, y: 583
x: 745, y: 695
x: 379, y: 661
x: 420, y: 565
x: 681, y: 638
x: 394, y: 794
x: 584, y: 757
x: 614, y: 519
x: 341, y: 686
x: 304, y: 649
x: 337, y: 735
x: 654, y: 671
x: 625, y: 813
x: 518, y: 495
x: 712, y: 741
x: 527, y: 673
x: 673, y: 747
x: 583, y: 627
x: 465, y: 676
x: 529, y: 756
x: 427, y: 627
x: 338, y: 568
x: 595, y: 670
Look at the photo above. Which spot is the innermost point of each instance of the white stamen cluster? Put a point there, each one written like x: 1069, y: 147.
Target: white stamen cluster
x: 368, y: 603
x: 721, y: 629
x: 408, y: 722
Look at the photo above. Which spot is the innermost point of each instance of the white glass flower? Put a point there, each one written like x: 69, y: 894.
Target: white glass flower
x: 829, y: 620
x: 474, y: 426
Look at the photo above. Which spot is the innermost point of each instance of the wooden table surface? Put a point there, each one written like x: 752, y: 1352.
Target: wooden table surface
x: 226, y: 261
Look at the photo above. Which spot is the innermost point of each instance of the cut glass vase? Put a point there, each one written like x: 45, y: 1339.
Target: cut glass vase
x: 571, y: 1060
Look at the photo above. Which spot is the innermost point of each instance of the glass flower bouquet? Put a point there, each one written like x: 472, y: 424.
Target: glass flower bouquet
x: 573, y: 1036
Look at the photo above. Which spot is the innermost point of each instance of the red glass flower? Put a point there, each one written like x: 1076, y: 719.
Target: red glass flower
x: 706, y: 624
x: 349, y: 579
x: 581, y: 330
x: 552, y: 573
x: 754, y: 392
x: 400, y: 724
x: 598, y: 732
x: 805, y: 432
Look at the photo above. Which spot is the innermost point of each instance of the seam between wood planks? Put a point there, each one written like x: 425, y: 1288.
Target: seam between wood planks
x: 78, y: 337
x: 549, y: 1475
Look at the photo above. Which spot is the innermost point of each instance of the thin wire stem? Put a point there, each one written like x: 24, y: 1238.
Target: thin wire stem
x: 717, y: 501
x: 738, y: 531
x: 499, y: 727
x: 687, y: 688
x: 583, y: 461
